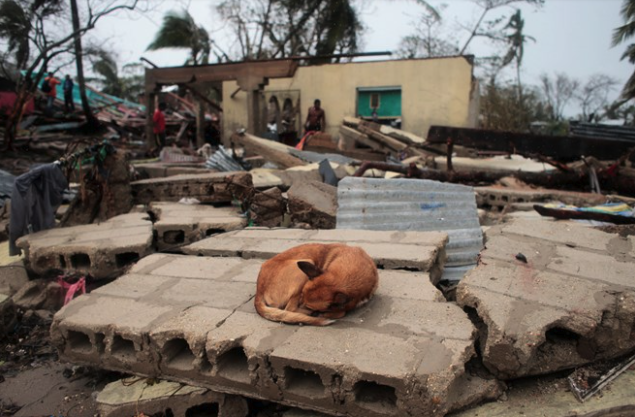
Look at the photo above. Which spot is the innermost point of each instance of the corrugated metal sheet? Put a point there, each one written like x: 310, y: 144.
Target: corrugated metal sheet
x: 409, y: 204
x: 602, y: 131
x: 223, y: 161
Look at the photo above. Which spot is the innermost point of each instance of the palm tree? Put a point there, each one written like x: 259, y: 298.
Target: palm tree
x: 106, y: 67
x: 15, y: 25
x: 516, y: 41
x: 621, y: 34
x: 339, y: 25
x: 180, y: 31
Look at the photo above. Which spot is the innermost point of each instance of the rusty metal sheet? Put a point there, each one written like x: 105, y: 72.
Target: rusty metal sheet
x: 560, y: 148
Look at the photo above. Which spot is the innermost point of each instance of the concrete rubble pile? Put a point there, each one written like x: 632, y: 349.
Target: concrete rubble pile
x: 191, y: 319
x: 532, y: 298
x: 551, y: 296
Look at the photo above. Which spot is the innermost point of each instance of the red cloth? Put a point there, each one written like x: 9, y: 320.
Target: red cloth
x: 159, y: 121
x: 53, y: 82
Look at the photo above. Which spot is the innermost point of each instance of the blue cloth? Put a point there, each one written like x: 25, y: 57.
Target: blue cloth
x: 35, y: 198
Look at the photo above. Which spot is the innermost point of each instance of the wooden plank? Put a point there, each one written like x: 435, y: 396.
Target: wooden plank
x: 359, y: 137
x: 271, y: 151
x: 220, y: 72
x: 387, y: 141
x: 403, y: 136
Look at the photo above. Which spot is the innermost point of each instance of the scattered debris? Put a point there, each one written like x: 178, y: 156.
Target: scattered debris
x: 587, y: 381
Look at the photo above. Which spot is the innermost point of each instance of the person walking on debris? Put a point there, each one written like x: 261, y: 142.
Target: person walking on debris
x: 49, y: 87
x: 69, y: 104
x: 315, y: 118
x: 159, y: 126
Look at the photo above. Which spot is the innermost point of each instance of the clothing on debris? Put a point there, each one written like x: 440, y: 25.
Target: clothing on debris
x: 35, y: 198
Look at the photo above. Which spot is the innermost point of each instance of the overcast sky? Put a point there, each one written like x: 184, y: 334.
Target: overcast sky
x: 572, y: 36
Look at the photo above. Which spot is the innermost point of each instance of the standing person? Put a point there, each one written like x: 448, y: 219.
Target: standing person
x: 69, y: 104
x: 52, y: 93
x: 315, y: 118
x: 159, y: 126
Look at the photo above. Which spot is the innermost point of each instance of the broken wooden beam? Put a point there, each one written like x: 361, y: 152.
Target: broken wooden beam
x: 274, y: 152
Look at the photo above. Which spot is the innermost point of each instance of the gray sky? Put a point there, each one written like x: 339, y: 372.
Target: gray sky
x: 572, y: 36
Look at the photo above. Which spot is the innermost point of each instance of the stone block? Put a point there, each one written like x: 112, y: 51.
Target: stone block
x: 268, y: 208
x: 571, y: 303
x: 39, y: 294
x: 182, y: 224
x: 424, y: 251
x: 218, y: 187
x: 12, y: 278
x: 102, y: 250
x: 314, y: 203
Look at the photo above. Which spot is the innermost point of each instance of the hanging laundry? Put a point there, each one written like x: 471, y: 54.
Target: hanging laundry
x: 35, y: 198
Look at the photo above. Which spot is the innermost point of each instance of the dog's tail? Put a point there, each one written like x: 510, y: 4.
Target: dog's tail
x: 289, y: 317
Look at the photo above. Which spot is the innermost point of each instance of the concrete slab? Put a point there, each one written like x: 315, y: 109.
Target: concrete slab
x: 550, y: 398
x: 314, y: 203
x: 500, y: 197
x: 121, y: 398
x: 219, y: 187
x: 511, y: 164
x: 404, y: 353
x: 571, y: 303
x: 423, y: 251
x: 181, y: 224
x: 102, y: 250
x: 268, y: 208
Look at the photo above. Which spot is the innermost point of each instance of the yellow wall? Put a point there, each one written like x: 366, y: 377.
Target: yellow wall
x: 433, y: 91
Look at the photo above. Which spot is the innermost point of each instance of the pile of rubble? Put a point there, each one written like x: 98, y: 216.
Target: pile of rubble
x: 477, y: 288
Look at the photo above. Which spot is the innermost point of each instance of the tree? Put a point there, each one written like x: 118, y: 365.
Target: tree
x: 282, y: 28
x: 179, y: 30
x: 127, y: 84
x: 427, y: 41
x: 620, y: 35
x: 503, y: 109
x: 45, y: 44
x: 593, y: 97
x: 91, y: 120
x: 558, y: 93
x: 491, y: 27
x: 516, y: 46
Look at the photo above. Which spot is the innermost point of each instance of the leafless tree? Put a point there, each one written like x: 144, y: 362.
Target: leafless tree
x: 485, y: 28
x: 429, y: 39
x: 594, y: 97
x: 558, y: 91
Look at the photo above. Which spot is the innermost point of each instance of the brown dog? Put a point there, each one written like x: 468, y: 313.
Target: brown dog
x: 313, y: 283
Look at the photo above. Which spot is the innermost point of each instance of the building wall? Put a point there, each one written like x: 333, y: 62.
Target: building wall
x: 436, y: 91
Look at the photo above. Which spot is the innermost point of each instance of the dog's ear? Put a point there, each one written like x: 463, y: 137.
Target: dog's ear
x: 309, y: 269
x: 341, y: 299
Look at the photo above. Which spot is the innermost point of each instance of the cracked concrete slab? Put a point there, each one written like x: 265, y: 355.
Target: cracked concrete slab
x: 218, y: 187
x: 102, y: 250
x: 314, y: 203
x: 181, y: 224
x: 549, y: 398
x: 571, y: 303
x: 120, y: 398
x: 404, y: 353
x: 423, y: 251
